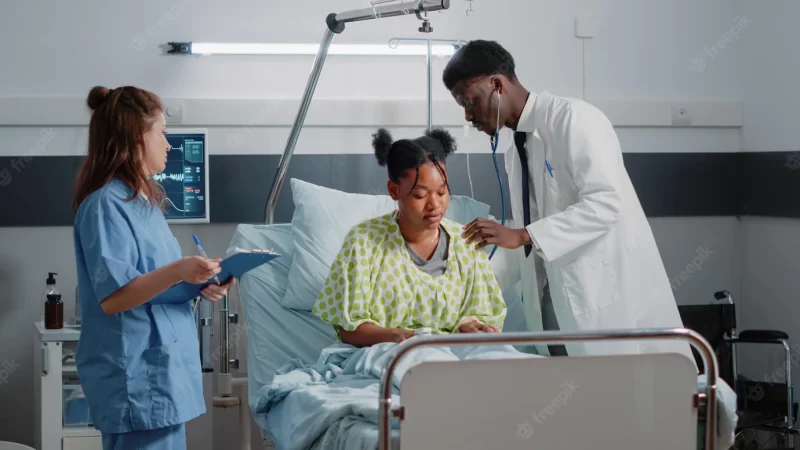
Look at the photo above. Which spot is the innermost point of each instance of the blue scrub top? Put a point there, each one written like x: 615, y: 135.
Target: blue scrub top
x: 140, y: 369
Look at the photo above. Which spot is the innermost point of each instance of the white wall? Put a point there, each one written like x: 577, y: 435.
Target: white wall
x: 768, y: 67
x: 771, y: 256
x: 642, y: 51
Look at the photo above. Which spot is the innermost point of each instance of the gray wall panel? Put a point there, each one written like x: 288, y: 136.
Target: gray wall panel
x: 686, y: 184
x: 770, y: 184
x: 240, y: 185
x: 38, y: 191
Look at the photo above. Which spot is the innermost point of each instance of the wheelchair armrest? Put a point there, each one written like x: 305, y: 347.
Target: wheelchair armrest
x: 761, y: 335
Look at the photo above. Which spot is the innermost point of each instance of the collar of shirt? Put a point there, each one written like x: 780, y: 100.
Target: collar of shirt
x: 527, y: 120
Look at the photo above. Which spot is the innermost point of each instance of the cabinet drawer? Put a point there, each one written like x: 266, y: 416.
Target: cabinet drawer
x: 83, y: 443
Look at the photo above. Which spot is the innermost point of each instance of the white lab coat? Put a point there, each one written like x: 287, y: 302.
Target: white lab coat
x: 603, y: 267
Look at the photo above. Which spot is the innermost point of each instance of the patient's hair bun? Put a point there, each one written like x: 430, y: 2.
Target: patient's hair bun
x: 445, y: 138
x: 97, y: 96
x: 382, y: 142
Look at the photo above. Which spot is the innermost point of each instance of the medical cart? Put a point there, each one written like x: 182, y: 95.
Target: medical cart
x: 57, y: 390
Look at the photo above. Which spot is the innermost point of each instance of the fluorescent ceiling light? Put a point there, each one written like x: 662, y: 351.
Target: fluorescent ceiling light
x: 213, y: 48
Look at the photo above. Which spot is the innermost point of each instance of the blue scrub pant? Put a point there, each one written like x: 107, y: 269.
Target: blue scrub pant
x: 169, y: 438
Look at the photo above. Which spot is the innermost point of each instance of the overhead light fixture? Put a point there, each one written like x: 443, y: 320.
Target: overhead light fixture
x: 218, y: 48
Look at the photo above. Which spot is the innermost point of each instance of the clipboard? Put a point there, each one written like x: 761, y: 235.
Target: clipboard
x: 238, y: 263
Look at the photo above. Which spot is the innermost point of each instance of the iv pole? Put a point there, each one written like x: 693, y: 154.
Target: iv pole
x: 394, y: 42
x: 336, y: 24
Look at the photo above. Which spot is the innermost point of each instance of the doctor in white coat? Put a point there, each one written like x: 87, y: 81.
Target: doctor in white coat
x: 587, y: 255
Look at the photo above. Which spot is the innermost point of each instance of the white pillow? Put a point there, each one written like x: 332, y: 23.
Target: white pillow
x: 323, y: 217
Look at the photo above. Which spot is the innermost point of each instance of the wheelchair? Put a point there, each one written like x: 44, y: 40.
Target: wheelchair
x: 762, y: 405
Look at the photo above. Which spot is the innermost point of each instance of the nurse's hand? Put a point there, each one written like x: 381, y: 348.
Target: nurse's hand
x: 196, y: 269
x: 214, y: 292
x: 485, y: 232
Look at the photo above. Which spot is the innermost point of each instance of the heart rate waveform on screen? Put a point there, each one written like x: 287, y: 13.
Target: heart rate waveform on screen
x: 175, y: 154
x: 172, y: 176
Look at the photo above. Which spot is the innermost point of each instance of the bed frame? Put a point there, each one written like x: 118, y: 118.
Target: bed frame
x: 654, y: 397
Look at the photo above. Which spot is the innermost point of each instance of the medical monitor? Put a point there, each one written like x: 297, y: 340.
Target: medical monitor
x: 185, y: 178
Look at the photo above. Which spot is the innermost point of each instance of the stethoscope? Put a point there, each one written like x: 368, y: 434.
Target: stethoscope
x: 495, y: 141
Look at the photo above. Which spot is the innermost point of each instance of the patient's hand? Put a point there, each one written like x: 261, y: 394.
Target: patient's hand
x: 476, y: 327
x: 367, y: 335
x: 401, y: 334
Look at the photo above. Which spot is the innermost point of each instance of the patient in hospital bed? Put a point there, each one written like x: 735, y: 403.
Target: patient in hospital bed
x: 410, y: 269
x: 404, y: 271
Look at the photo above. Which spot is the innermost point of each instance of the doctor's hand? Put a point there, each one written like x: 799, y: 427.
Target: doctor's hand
x: 215, y: 292
x: 196, y: 269
x: 485, y: 232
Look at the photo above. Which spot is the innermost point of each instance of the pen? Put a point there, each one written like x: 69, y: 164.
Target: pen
x: 549, y: 169
x: 203, y: 252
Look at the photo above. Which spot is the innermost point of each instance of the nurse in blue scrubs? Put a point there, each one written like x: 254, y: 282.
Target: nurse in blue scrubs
x: 138, y: 356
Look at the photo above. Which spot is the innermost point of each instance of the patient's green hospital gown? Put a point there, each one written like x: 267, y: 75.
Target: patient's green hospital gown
x: 374, y: 280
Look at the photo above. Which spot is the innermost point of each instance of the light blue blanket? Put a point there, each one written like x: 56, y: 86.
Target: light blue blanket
x: 334, y: 404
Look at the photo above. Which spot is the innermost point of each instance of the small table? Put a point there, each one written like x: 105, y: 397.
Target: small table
x: 51, y: 370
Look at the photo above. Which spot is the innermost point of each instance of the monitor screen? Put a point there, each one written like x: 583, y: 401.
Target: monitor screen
x: 185, y: 178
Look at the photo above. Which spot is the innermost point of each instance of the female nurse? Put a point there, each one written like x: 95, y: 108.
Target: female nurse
x: 138, y: 357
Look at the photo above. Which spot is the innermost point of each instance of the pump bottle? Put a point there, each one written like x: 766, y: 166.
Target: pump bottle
x: 53, y: 306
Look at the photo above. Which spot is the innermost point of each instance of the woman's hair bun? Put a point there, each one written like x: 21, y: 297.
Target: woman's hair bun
x: 382, y: 143
x: 97, y: 96
x: 444, y: 137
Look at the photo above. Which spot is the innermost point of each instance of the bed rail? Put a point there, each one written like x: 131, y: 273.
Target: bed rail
x: 707, y: 400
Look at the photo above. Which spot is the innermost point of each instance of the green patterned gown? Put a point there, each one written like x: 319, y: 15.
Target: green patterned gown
x: 374, y: 280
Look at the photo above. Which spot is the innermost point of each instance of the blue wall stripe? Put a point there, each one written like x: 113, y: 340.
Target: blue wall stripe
x: 38, y: 191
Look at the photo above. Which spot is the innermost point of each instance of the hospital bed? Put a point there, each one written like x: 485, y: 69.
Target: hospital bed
x: 624, y: 401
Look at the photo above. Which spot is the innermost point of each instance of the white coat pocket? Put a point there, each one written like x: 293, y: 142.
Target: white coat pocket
x: 589, y: 284
x: 560, y: 189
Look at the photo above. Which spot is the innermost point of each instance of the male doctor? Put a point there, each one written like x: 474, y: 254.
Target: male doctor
x: 585, y: 248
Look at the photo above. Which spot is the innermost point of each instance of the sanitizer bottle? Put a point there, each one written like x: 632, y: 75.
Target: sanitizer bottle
x: 53, y: 306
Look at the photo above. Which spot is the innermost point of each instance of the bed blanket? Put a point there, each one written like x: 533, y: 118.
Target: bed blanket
x: 341, y: 391
x: 333, y: 404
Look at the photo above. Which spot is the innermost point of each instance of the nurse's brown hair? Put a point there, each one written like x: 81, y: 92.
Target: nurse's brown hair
x: 120, y: 119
